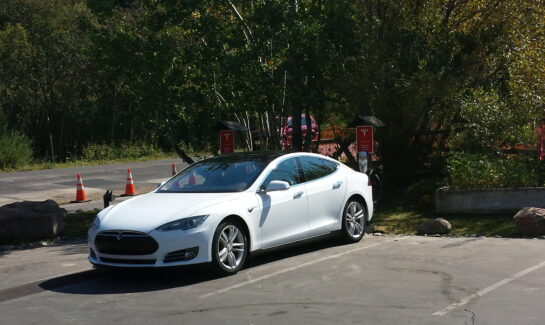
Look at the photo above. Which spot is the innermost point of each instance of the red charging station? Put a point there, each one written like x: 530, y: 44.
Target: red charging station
x: 364, y: 138
x: 227, y: 141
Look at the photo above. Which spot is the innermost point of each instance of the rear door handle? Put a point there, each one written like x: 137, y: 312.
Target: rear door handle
x: 337, y: 185
x: 298, y: 195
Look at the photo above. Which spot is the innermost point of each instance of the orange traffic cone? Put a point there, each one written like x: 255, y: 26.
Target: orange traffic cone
x: 174, y: 172
x: 192, y: 179
x: 129, y: 188
x: 80, y: 191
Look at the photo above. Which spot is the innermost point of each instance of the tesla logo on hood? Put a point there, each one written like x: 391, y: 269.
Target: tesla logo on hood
x: 119, y: 235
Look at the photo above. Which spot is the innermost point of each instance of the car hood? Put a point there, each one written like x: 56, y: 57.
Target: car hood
x: 146, y: 212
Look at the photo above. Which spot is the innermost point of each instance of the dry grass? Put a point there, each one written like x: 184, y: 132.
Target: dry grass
x: 401, y: 216
x: 76, y: 224
x: 80, y: 163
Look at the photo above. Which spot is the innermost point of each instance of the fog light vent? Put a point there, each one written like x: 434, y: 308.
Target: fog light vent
x: 181, y: 255
x: 92, y: 253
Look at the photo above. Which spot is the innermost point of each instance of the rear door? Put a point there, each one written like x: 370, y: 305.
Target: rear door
x: 326, y: 188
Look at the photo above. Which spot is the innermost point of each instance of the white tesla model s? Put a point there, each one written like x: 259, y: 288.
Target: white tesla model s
x: 222, y: 209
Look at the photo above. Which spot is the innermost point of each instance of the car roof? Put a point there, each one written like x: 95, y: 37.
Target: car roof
x: 264, y: 156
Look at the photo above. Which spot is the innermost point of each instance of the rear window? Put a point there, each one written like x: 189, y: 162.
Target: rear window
x: 303, y: 121
x: 314, y: 168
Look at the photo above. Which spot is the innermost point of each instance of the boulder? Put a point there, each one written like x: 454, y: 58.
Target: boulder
x: 530, y: 222
x: 437, y: 226
x: 30, y: 219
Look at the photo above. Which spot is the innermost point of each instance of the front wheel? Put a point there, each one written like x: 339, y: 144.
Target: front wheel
x: 354, y: 217
x: 229, y: 248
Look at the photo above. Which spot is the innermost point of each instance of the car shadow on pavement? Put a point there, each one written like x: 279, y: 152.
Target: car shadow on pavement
x: 120, y: 281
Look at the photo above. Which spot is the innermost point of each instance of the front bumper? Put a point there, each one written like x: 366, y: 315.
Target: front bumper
x: 175, y: 248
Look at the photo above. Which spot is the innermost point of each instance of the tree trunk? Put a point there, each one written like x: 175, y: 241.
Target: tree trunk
x: 308, y: 136
x: 296, y: 140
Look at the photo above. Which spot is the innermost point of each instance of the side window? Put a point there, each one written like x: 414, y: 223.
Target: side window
x: 314, y: 168
x: 285, y: 171
x: 330, y: 166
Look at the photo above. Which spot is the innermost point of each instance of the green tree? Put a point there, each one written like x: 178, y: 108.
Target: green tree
x: 45, y: 72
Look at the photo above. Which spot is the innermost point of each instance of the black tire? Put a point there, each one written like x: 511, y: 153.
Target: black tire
x: 350, y: 230
x: 223, y: 264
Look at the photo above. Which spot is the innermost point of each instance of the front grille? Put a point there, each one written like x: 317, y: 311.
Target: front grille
x: 181, y: 255
x: 127, y: 261
x: 125, y: 243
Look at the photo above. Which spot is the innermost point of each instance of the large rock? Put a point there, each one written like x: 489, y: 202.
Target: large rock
x: 530, y: 222
x: 437, y: 226
x: 30, y: 219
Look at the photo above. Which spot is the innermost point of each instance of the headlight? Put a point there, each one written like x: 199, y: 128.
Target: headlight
x: 95, y: 224
x: 183, y: 224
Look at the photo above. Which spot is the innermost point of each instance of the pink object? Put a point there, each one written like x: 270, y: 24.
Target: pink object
x: 287, y: 130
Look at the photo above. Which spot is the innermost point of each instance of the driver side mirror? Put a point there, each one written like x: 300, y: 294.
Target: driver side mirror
x: 275, y: 186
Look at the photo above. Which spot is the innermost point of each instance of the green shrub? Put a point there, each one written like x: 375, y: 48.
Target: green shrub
x: 98, y: 152
x: 426, y: 185
x: 487, y: 170
x: 136, y: 150
x: 124, y: 151
x: 15, y: 150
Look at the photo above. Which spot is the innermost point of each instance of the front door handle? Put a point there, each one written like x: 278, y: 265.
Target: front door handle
x: 337, y: 185
x: 298, y: 195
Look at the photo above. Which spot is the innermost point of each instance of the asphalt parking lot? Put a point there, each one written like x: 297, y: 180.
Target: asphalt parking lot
x: 381, y: 280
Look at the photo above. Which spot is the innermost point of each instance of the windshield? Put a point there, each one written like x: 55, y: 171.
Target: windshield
x: 226, y: 174
x: 303, y: 121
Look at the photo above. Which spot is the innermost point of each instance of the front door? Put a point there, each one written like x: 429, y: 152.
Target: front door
x: 284, y: 214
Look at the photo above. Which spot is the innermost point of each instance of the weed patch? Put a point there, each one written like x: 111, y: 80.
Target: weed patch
x: 401, y: 216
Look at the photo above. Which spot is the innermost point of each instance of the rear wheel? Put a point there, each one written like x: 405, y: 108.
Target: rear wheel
x: 229, y: 248
x: 354, y: 219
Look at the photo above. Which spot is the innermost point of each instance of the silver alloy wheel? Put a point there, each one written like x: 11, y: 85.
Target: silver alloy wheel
x: 231, y: 248
x: 355, y: 221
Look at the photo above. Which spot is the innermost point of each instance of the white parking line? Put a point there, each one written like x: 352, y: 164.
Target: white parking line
x: 293, y: 268
x: 488, y: 289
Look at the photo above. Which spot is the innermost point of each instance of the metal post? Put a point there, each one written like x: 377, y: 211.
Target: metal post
x: 51, y: 139
x: 363, y: 161
x: 107, y: 198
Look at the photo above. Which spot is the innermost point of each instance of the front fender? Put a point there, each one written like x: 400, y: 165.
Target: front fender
x: 246, y: 208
